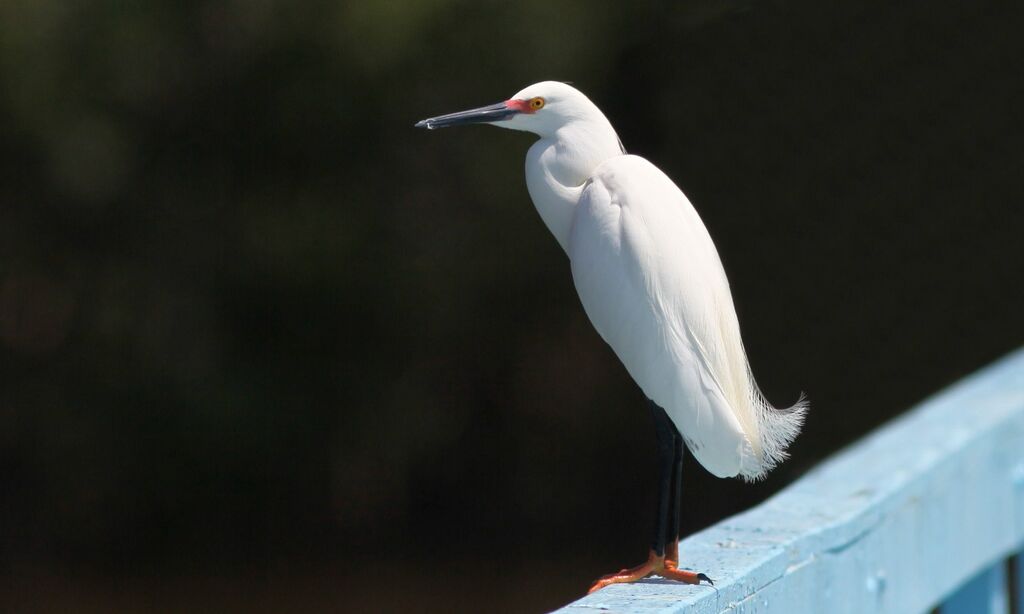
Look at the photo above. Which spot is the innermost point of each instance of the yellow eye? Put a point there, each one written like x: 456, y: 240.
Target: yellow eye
x: 537, y: 103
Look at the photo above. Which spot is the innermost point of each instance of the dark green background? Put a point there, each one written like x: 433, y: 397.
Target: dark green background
x: 265, y: 347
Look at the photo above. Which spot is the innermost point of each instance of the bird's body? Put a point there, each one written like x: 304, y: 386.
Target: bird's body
x: 652, y: 284
x: 650, y: 280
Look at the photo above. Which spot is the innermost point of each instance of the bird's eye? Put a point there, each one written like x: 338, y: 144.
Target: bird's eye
x: 537, y: 103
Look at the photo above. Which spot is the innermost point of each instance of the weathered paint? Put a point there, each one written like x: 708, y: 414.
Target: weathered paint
x: 895, y: 523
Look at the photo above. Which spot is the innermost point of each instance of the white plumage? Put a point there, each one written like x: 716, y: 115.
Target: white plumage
x: 652, y: 284
x: 648, y: 276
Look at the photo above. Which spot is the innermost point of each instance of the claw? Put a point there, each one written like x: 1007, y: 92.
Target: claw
x: 655, y: 565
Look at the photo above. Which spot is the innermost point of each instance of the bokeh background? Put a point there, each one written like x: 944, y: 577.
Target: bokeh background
x: 265, y: 347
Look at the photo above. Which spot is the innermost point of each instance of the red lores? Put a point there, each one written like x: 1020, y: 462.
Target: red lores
x: 523, y: 106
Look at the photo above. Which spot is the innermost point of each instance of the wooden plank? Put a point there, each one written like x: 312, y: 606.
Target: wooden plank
x: 985, y: 593
x: 892, y: 524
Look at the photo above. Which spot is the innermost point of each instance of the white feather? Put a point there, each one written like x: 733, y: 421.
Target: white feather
x: 651, y: 281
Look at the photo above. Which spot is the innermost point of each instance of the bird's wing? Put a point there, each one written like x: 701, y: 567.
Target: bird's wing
x: 651, y: 282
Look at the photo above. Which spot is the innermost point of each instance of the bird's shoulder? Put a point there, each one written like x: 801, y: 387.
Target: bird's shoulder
x: 634, y: 215
x: 632, y: 180
x: 652, y: 209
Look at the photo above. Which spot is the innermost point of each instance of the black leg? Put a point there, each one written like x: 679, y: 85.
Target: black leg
x: 663, y: 558
x: 665, y: 527
x: 675, y: 506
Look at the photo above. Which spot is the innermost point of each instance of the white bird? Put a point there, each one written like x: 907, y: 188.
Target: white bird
x: 652, y: 284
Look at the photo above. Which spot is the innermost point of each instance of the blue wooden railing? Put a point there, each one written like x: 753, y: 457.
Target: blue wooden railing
x: 924, y: 514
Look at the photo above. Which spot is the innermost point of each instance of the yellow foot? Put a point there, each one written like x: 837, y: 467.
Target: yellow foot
x: 655, y: 565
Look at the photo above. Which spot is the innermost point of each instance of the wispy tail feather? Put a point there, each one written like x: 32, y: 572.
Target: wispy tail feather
x: 777, y: 429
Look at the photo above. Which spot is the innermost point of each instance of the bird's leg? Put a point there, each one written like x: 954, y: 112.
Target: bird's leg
x: 676, y: 499
x: 670, y: 459
x: 665, y: 432
x: 669, y: 450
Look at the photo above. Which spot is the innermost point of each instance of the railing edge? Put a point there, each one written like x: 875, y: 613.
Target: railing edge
x: 897, y: 508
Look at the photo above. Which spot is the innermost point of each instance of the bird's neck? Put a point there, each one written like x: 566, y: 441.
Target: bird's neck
x: 558, y: 167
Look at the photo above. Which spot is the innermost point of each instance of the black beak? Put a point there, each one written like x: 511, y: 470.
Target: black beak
x: 483, y: 115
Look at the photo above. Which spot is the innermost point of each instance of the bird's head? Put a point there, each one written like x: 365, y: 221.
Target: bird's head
x: 541, y: 108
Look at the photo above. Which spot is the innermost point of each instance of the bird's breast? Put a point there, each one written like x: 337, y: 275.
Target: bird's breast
x: 552, y: 189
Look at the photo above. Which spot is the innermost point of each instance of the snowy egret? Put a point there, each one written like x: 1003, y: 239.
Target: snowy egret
x: 652, y: 284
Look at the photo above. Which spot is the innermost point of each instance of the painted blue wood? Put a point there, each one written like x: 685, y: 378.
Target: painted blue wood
x: 985, y: 593
x: 893, y: 524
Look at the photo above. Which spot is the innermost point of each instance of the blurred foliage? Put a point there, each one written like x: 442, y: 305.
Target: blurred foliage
x: 250, y: 319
